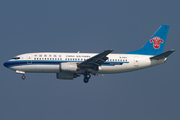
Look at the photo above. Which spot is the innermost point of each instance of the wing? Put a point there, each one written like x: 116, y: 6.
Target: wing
x: 95, y: 61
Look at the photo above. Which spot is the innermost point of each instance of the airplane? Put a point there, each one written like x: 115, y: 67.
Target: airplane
x: 68, y: 66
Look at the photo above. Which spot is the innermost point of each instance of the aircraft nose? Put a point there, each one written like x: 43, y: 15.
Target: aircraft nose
x: 5, y: 64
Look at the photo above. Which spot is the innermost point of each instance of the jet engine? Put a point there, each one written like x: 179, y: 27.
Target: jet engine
x: 67, y: 71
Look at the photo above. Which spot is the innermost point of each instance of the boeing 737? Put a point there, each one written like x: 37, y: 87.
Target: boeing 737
x: 71, y: 65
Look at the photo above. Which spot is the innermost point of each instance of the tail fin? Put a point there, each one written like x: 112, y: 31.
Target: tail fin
x: 155, y: 44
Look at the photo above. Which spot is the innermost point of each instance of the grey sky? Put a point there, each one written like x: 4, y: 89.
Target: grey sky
x: 89, y: 26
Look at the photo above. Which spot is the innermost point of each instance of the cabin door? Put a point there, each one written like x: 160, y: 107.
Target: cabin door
x: 29, y: 59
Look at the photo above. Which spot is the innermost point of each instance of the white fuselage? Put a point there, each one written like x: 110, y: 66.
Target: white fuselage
x: 71, y: 65
x: 50, y: 62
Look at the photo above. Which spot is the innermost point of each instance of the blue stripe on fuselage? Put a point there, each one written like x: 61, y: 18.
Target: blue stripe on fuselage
x: 9, y: 64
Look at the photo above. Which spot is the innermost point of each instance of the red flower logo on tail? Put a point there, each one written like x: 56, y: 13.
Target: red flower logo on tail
x: 156, y: 42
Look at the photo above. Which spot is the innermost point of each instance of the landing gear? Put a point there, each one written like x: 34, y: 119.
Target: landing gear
x: 23, y: 77
x: 86, y: 80
x: 87, y: 77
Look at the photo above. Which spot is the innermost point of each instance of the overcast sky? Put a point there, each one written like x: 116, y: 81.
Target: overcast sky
x: 89, y: 26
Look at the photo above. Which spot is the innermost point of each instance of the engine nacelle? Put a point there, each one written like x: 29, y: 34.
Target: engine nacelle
x: 66, y: 75
x: 68, y: 67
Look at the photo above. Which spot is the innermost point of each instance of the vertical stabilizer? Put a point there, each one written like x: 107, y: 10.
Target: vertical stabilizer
x: 155, y: 44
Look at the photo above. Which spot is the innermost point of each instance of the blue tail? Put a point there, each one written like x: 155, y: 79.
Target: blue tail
x: 155, y: 44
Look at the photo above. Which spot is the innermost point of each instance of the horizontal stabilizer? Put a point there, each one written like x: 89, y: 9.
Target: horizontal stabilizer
x: 163, y: 55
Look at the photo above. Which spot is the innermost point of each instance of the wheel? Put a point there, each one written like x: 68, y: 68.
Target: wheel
x: 88, y: 76
x: 23, y: 77
x: 86, y: 80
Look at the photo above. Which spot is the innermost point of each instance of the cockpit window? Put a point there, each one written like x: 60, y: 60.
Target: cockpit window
x: 16, y: 58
